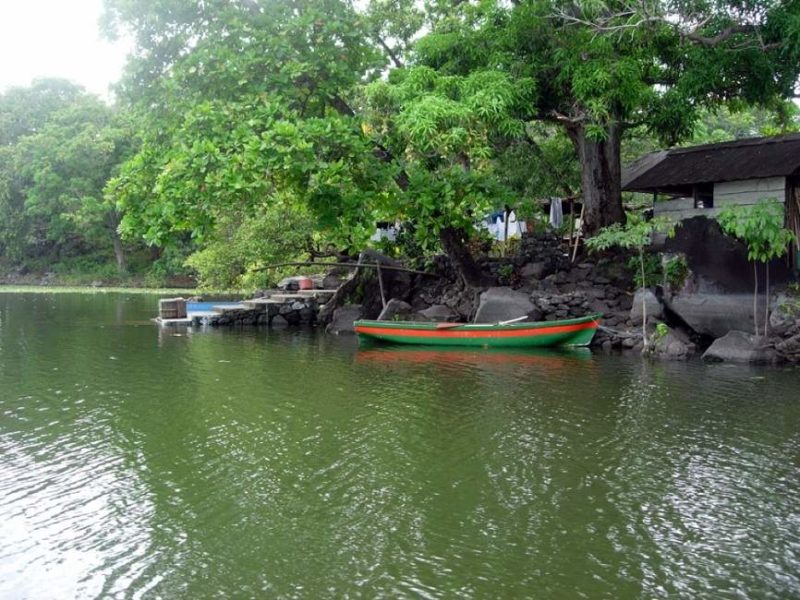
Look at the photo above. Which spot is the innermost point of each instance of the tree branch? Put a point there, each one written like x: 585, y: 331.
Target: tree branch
x: 724, y: 35
x: 392, y: 55
x: 380, y: 151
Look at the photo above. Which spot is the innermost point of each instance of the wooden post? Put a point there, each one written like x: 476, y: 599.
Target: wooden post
x: 380, y: 284
x: 578, y: 236
x: 571, y: 222
x: 505, y: 234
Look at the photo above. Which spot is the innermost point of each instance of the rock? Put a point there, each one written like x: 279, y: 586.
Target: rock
x: 790, y: 348
x: 783, y: 314
x: 535, y: 270
x: 438, y: 312
x: 343, y: 318
x: 673, y: 346
x: 654, y: 308
x: 598, y: 306
x: 502, y: 304
x: 396, y: 284
x: 596, y: 293
x: 331, y: 282
x: 396, y: 310
x: 289, y: 284
x: 715, y: 257
x: 741, y: 347
x: 714, y: 314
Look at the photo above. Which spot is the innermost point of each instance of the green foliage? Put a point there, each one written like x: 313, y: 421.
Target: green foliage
x: 597, y: 68
x: 445, y: 128
x: 760, y: 227
x: 168, y: 266
x: 653, y: 274
x: 338, y: 115
x: 244, y: 115
x: 243, y: 246
x: 676, y: 269
x: 737, y: 121
x: 635, y: 234
x: 61, y: 146
x: 659, y: 269
x: 506, y: 274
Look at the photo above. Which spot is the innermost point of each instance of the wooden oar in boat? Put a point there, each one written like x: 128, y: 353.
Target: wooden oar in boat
x: 451, y: 325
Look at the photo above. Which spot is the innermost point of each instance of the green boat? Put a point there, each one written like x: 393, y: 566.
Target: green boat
x: 569, y: 332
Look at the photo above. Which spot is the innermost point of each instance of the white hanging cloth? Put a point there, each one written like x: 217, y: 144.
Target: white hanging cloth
x: 556, y: 213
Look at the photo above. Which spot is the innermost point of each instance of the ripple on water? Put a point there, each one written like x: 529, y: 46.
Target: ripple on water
x: 286, y: 464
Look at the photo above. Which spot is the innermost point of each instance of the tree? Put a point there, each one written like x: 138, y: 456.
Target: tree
x: 444, y: 128
x: 60, y: 147
x: 601, y: 68
x: 244, y: 112
x: 23, y: 112
x: 760, y: 227
x: 68, y: 163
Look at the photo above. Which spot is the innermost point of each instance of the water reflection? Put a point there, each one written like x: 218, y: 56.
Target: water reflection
x: 486, y: 357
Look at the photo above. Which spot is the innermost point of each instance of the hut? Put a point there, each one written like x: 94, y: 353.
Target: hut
x: 702, y: 180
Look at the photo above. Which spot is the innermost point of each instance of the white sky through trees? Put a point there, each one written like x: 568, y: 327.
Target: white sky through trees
x: 57, y: 38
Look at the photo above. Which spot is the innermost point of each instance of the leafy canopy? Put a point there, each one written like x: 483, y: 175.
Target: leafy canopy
x: 244, y: 114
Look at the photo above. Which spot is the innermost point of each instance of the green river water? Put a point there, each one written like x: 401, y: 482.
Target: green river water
x: 145, y: 463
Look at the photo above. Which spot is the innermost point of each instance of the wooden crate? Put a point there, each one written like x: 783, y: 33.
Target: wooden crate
x: 172, y: 308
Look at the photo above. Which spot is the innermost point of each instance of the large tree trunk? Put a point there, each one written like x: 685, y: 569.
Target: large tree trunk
x: 454, y: 243
x: 601, y: 176
x: 112, y: 221
x: 119, y: 252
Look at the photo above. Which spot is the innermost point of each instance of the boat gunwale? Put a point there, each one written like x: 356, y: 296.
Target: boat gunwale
x: 454, y: 327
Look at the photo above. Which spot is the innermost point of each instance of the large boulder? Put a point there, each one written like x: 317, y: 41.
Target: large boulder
x: 717, y: 257
x: 438, y: 312
x: 740, y: 347
x: 655, y: 310
x: 714, y: 314
x: 343, y: 318
x: 536, y: 270
x: 396, y: 310
x: 502, y: 304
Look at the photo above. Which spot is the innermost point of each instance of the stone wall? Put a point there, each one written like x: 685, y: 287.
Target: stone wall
x: 292, y: 312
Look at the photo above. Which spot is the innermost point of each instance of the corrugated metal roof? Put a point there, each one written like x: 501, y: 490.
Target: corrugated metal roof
x: 751, y: 158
